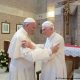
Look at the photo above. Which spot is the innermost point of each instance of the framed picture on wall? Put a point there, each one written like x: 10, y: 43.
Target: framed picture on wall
x: 5, y: 28
x: 18, y: 26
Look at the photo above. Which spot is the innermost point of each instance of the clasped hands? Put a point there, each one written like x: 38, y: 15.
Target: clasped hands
x: 28, y: 44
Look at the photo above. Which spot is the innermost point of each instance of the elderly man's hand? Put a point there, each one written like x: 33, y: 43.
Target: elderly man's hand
x: 27, y: 44
x: 55, y: 48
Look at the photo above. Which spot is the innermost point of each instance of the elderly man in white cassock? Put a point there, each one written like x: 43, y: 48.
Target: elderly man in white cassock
x: 21, y: 67
x: 53, y: 67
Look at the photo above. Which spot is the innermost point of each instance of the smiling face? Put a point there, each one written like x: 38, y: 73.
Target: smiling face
x: 30, y: 28
x: 47, y: 28
x: 47, y: 31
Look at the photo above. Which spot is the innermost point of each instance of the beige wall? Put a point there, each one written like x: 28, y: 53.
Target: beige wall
x: 13, y: 20
x: 78, y: 30
x: 59, y: 23
x: 39, y: 37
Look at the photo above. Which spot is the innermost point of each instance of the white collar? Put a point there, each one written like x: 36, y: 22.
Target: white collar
x: 52, y: 35
x: 24, y: 32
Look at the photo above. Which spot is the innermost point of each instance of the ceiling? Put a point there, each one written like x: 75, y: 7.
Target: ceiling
x: 26, y: 5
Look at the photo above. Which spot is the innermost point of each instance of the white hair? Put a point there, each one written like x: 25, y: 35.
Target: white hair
x: 28, y: 20
x: 47, y: 24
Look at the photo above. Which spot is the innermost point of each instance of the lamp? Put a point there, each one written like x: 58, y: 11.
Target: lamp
x: 51, y: 14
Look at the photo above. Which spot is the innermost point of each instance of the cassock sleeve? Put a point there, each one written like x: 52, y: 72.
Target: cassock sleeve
x: 36, y: 54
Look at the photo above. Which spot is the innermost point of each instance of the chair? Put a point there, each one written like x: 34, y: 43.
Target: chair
x: 72, y: 63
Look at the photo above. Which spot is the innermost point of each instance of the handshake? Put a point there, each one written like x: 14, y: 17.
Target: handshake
x: 28, y: 44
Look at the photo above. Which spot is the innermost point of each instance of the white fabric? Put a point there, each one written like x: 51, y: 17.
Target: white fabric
x: 47, y: 24
x: 72, y: 51
x: 36, y: 54
x: 55, y: 67
x: 28, y: 20
x: 20, y: 68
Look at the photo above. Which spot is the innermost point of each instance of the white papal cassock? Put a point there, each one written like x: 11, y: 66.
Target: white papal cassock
x: 20, y: 67
x: 53, y: 67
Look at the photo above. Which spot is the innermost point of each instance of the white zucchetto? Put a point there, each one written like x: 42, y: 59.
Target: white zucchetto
x: 47, y: 24
x: 29, y: 20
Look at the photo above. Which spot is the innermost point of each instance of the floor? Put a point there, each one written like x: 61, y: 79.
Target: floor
x: 3, y: 74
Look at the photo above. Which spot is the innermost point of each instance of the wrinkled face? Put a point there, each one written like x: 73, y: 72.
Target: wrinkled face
x: 47, y: 31
x: 31, y: 28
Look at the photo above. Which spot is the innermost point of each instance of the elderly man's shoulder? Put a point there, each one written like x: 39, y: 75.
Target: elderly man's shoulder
x: 17, y: 36
x: 59, y: 35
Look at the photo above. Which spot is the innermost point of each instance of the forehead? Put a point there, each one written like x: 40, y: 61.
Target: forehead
x: 33, y: 23
x: 46, y: 28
